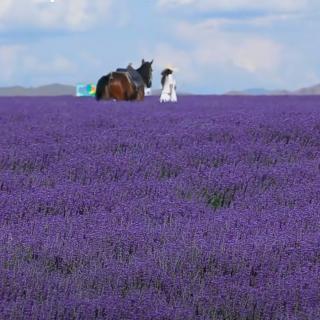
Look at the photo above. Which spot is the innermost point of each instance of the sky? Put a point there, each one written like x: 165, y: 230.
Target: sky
x: 217, y: 45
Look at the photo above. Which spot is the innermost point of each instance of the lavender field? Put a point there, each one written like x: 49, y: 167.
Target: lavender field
x: 205, y: 209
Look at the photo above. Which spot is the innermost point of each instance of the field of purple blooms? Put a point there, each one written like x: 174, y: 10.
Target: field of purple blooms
x: 204, y: 209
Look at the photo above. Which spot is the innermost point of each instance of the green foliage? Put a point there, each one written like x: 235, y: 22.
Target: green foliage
x: 216, y: 201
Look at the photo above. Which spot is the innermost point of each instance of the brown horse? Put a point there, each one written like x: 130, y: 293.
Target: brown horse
x: 125, y: 84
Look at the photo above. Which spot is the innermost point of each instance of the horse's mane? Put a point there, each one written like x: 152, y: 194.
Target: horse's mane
x: 164, y: 74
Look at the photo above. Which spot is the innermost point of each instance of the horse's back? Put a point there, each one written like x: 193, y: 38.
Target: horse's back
x: 133, y: 76
x: 130, y: 91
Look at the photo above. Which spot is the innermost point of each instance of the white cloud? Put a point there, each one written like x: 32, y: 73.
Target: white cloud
x: 241, y: 43
x: 165, y: 55
x: 4, y: 7
x: 56, y: 64
x: 257, y: 21
x: 257, y: 55
x: 227, y: 5
x: 17, y: 61
x: 213, y: 47
x: 275, y: 48
x: 62, y: 14
x: 221, y: 55
x: 9, y: 55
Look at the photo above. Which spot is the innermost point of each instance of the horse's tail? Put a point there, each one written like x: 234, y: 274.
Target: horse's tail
x: 101, y: 86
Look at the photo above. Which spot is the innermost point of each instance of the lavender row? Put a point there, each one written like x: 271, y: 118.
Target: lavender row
x: 208, y: 209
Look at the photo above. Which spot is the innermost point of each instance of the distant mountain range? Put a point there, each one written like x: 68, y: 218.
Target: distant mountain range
x: 313, y: 90
x: 47, y: 90
x: 57, y: 89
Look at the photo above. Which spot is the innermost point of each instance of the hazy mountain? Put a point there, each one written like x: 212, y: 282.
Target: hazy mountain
x: 236, y: 93
x: 257, y: 91
x: 53, y: 90
x: 57, y: 89
x: 314, y: 90
x: 47, y: 90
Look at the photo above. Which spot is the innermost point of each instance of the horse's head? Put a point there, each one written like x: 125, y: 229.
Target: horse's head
x: 146, y: 72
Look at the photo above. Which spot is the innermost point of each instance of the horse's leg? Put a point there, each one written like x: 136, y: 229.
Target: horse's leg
x: 129, y: 91
x: 106, y: 95
x: 140, y: 95
x: 136, y: 94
